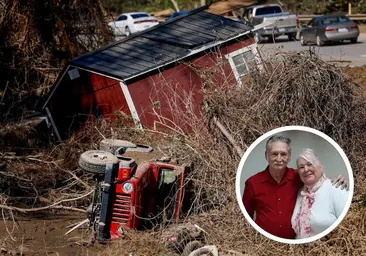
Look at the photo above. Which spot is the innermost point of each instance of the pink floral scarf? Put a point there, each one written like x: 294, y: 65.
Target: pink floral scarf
x: 302, y: 225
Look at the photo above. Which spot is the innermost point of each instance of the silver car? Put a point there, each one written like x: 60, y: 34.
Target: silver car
x: 329, y: 28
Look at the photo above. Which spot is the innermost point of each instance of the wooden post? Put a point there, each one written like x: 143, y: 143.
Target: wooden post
x: 203, y: 2
x: 349, y: 8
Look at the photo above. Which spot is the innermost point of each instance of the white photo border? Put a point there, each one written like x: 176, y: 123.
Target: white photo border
x: 266, y: 136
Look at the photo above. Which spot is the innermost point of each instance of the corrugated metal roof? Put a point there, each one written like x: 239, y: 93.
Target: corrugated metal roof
x: 160, y: 45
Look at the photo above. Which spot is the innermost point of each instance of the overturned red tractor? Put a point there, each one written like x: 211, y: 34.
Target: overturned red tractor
x: 128, y: 195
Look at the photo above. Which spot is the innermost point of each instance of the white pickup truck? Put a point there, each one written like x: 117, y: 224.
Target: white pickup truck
x: 280, y: 22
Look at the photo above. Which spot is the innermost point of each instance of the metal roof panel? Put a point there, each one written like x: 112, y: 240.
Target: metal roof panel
x: 170, y: 40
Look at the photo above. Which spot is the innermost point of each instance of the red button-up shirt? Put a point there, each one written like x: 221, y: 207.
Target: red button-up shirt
x: 272, y: 202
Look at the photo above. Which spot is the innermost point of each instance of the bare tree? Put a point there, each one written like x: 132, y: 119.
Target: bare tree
x: 39, y: 37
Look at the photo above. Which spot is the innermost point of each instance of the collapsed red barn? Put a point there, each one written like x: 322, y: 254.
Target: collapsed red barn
x: 149, y: 76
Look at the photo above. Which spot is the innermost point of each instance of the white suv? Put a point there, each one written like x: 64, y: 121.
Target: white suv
x: 132, y: 22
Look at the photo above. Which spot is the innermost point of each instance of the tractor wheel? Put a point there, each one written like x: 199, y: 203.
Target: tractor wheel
x: 191, y: 246
x: 111, y: 145
x: 95, y: 160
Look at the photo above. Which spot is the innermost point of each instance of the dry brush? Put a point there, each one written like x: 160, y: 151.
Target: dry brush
x: 294, y: 89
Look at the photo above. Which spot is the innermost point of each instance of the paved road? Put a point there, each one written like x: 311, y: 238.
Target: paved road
x: 350, y: 54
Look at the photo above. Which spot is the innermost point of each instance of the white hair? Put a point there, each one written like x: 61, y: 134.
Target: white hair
x: 310, y: 156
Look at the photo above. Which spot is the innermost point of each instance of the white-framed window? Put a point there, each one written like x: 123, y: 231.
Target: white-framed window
x: 244, y: 60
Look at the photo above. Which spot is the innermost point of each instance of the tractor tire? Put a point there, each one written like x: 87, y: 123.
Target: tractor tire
x: 191, y: 246
x: 111, y: 145
x: 95, y: 161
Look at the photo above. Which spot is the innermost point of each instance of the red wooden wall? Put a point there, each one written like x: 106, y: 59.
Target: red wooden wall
x: 176, y: 93
x: 91, y: 95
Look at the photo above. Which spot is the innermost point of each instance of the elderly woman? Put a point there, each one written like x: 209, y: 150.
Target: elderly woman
x: 318, y: 203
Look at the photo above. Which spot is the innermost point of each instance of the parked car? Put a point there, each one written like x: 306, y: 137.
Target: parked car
x: 281, y: 22
x: 132, y: 22
x: 329, y: 28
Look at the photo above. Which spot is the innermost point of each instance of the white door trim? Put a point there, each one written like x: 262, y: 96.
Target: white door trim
x: 131, y: 105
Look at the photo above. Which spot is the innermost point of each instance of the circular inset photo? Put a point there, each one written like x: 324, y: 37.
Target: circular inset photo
x: 294, y: 184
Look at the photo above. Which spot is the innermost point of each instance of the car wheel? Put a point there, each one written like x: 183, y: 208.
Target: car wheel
x: 354, y: 40
x: 111, y: 30
x: 95, y: 161
x: 127, y: 31
x: 292, y: 36
x: 302, y: 40
x: 319, y: 41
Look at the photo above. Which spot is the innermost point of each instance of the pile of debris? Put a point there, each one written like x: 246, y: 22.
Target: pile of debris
x: 292, y: 89
x: 38, y: 39
x: 311, y: 93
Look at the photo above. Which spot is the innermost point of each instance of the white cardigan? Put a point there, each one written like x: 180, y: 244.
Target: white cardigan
x: 327, y: 207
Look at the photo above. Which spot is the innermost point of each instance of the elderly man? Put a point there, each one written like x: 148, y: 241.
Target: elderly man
x: 271, y: 194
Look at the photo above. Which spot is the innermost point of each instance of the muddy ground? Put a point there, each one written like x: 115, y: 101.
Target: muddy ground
x: 43, y: 234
